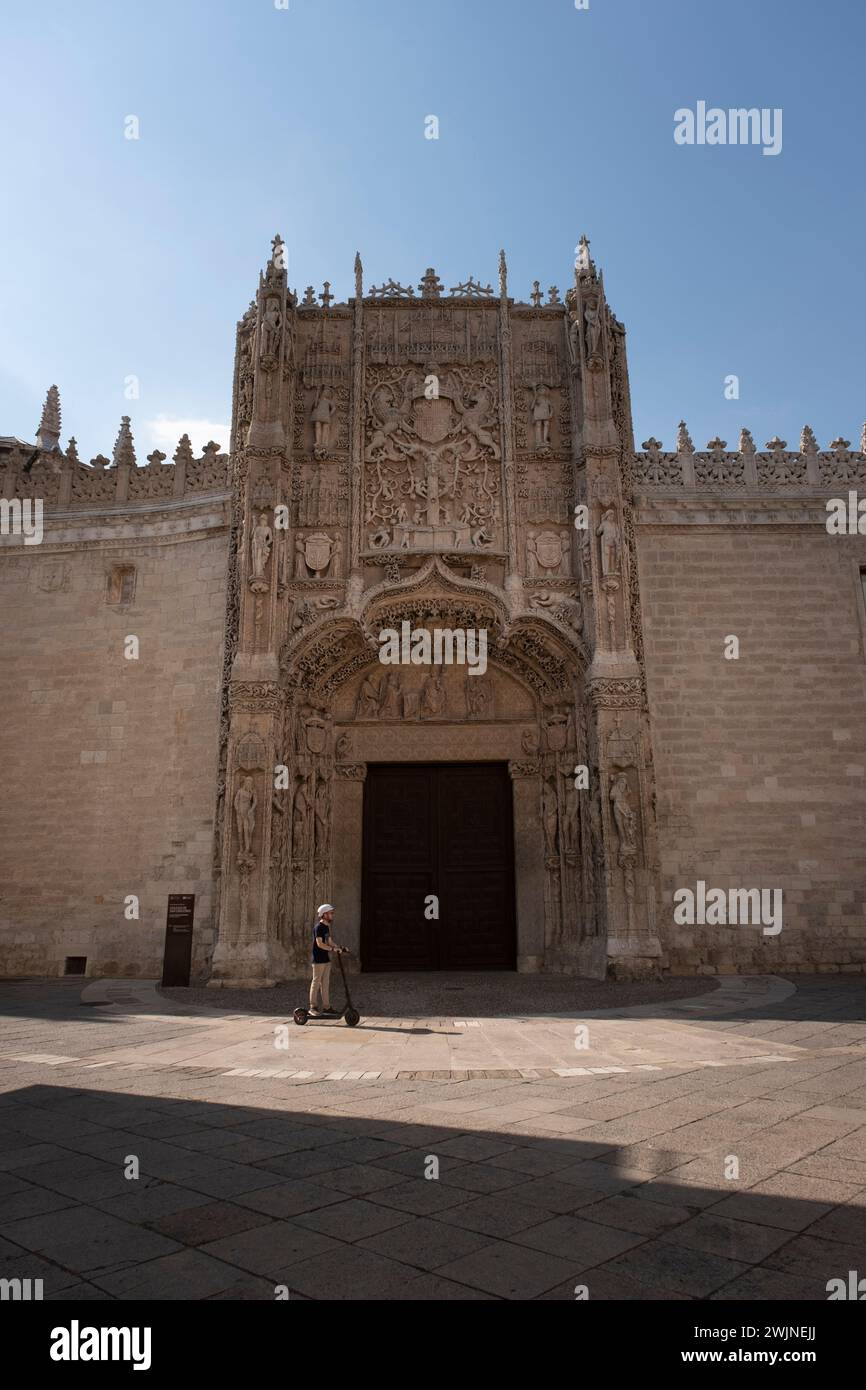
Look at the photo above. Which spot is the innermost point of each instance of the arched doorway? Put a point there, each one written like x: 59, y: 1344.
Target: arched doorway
x: 438, y: 867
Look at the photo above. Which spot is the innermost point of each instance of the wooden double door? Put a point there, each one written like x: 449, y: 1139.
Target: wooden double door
x: 440, y: 830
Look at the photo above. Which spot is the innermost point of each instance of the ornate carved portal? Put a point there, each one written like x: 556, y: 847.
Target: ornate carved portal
x: 418, y: 458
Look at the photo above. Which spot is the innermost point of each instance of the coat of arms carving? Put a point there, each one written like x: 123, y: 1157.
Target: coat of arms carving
x: 432, y: 473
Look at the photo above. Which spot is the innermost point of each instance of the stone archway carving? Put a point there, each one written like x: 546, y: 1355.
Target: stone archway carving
x: 343, y: 708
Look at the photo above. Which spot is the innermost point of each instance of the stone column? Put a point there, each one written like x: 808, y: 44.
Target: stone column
x: 529, y: 870
x: 615, y: 684
x: 246, y: 952
x: 348, y: 836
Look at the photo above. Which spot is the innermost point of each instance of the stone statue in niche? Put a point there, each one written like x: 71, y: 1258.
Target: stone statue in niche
x: 260, y: 546
x: 608, y: 531
x: 624, y: 813
x: 300, y: 821
x: 391, y: 706
x: 574, y: 341
x: 549, y: 820
x: 479, y: 697
x: 245, y: 802
x: 531, y: 556
x: 301, y: 571
x: 322, y: 820
x: 593, y: 332
x: 432, y: 696
x: 272, y: 323
x: 569, y: 818
x: 542, y: 413
x: 367, y: 706
x: 322, y: 414
x: 584, y: 556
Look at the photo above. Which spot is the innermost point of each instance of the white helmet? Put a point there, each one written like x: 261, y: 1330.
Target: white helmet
x: 323, y: 908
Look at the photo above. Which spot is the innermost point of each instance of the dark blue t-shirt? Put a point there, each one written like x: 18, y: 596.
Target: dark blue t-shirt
x: 320, y: 957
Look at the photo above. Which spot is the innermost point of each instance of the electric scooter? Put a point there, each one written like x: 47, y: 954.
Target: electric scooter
x: 349, y: 1013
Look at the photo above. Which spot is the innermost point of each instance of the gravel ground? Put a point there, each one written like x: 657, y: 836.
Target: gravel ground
x: 483, y: 995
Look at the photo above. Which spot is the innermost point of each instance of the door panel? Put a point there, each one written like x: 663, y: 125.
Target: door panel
x: 443, y: 829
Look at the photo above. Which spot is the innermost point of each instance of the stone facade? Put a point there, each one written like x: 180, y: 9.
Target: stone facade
x: 447, y: 458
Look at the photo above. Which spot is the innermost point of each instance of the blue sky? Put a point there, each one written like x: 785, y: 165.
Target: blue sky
x: 121, y: 257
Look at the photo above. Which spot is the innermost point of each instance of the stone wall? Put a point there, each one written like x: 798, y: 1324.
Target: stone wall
x: 109, y: 764
x: 760, y: 762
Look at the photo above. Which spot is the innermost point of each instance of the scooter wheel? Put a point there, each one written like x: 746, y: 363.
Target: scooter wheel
x: 300, y: 1016
x: 352, y: 1017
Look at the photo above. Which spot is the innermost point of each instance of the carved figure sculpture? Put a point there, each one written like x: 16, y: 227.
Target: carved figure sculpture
x: 593, y: 331
x: 367, y: 706
x: 574, y: 342
x: 388, y: 416
x: 549, y: 818
x: 392, y: 698
x: 260, y: 546
x: 432, y: 696
x: 300, y: 821
x: 478, y: 418
x: 272, y: 322
x: 244, y: 804
x: 542, y: 412
x: 301, y: 571
x: 623, y: 813
x: 322, y: 820
x: 531, y: 556
x: 321, y: 416
x: 478, y: 696
x: 608, y: 530
x: 569, y: 820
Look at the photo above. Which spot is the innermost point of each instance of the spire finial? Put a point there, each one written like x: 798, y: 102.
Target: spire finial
x: 359, y: 276
x: 124, y: 449
x: 684, y: 439
x: 503, y: 276
x: 584, y: 265
x: 48, y: 435
x: 275, y: 276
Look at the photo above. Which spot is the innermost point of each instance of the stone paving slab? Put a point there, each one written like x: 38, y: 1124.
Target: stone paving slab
x: 609, y: 1175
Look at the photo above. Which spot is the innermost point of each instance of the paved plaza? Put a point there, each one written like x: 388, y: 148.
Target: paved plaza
x: 711, y: 1146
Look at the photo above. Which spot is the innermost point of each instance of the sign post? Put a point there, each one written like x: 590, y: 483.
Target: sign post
x: 177, y: 956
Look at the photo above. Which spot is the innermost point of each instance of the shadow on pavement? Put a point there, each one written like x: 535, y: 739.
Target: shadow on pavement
x: 234, y: 1200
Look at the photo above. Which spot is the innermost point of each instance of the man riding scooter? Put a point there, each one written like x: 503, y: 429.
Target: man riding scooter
x: 323, y: 948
